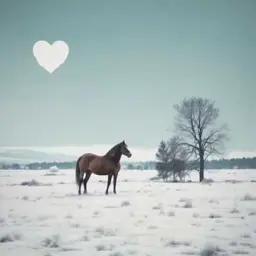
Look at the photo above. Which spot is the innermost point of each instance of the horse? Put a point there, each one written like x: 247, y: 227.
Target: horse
x: 108, y: 164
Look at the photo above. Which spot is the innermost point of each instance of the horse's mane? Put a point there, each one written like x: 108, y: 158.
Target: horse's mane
x: 114, y: 153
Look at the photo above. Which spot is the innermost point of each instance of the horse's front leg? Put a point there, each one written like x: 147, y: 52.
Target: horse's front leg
x: 109, y: 182
x: 115, y: 179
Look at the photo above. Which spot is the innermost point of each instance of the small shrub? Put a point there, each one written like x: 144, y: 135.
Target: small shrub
x: 10, y: 237
x: 233, y: 243
x: 116, y: 254
x: 171, y: 214
x: 76, y: 225
x: 50, y: 174
x: 157, y: 207
x: 233, y: 181
x: 248, y: 197
x: 210, y: 251
x: 248, y: 245
x: 51, y: 242
x: 246, y: 236
x: 155, y: 178
x: 234, y: 211
x: 174, y: 243
x: 213, y: 201
x: 184, y: 199
x: 34, y: 183
x: 189, y: 253
x: 188, y: 204
x: 104, y: 232
x: 214, y: 216
x: 30, y: 183
x: 240, y: 252
x: 196, y: 215
x: 100, y: 247
x: 207, y: 181
x: 125, y: 203
x: 152, y: 227
x: 85, y: 238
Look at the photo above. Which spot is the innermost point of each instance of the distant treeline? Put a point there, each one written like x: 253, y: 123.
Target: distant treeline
x: 237, y: 163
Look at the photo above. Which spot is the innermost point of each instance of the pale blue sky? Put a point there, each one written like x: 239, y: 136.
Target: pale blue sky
x: 129, y: 62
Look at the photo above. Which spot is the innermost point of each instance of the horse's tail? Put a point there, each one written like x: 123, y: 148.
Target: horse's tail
x: 78, y: 170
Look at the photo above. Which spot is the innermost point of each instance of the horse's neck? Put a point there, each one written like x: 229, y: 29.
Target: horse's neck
x: 116, y: 157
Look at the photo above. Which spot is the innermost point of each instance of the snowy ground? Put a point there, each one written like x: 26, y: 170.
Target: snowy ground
x: 144, y: 218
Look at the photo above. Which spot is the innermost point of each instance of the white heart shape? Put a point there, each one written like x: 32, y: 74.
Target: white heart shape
x: 50, y: 57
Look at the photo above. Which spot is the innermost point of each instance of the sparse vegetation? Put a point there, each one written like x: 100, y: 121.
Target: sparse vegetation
x: 188, y: 204
x: 11, y: 237
x: 100, y: 247
x: 171, y: 214
x: 234, y: 211
x: 240, y: 252
x: 214, y: 216
x: 233, y: 243
x: 150, y: 213
x: 100, y: 231
x: 116, y: 254
x: 125, y: 203
x: 210, y: 250
x: 246, y: 236
x: 174, y: 243
x: 248, y: 197
x: 51, y: 242
x: 34, y: 183
x: 157, y: 207
x: 196, y: 215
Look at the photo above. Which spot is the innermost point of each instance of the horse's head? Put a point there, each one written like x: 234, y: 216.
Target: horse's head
x: 124, y: 149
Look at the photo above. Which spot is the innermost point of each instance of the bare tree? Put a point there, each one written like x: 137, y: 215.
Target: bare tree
x: 196, y: 124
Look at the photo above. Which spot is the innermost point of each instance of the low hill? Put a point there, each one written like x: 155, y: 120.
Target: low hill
x: 24, y: 156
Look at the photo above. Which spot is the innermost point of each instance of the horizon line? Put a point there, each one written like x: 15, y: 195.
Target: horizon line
x: 139, y: 153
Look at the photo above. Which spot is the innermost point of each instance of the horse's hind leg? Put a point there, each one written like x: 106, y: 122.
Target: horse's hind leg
x: 80, y: 182
x: 87, y: 177
x: 109, y: 182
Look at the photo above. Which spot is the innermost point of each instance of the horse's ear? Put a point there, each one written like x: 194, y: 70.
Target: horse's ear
x: 123, y: 142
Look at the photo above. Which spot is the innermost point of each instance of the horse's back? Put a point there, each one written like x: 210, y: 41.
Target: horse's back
x: 85, y: 160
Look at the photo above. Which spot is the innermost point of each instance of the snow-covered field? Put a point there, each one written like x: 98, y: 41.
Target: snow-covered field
x: 144, y: 218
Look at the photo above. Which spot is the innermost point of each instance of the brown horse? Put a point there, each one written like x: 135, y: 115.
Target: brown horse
x: 108, y: 164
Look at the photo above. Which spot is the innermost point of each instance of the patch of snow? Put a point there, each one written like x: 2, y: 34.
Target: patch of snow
x: 145, y: 217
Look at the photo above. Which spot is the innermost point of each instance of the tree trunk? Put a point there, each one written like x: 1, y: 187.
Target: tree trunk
x: 201, y: 170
